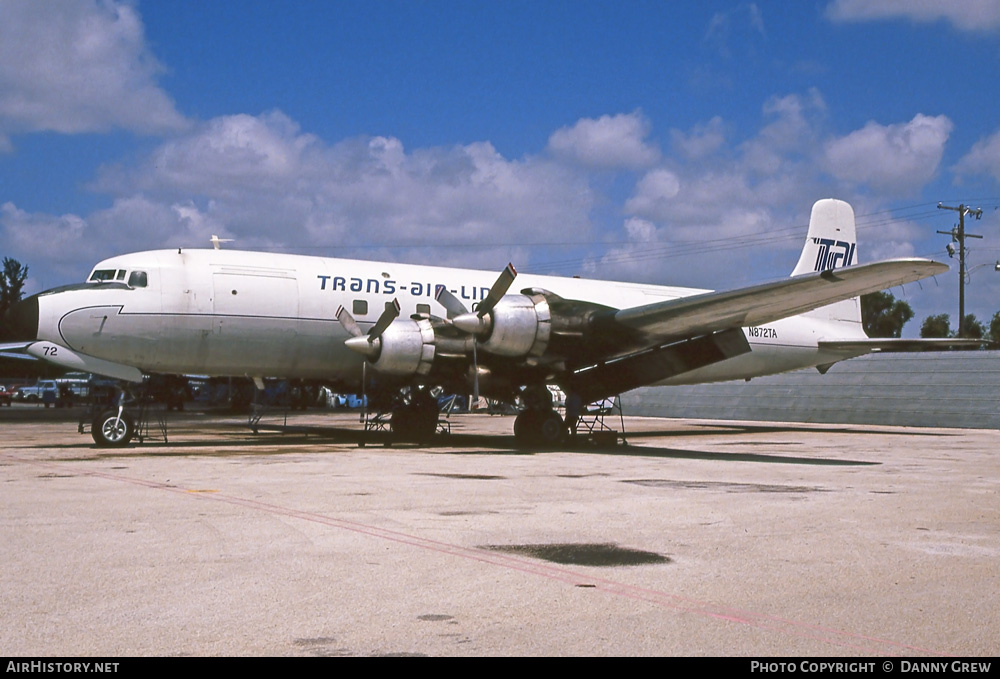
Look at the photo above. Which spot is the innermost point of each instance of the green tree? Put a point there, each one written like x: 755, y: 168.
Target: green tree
x: 883, y: 315
x: 12, y: 279
x: 995, y: 328
x: 936, y: 326
x: 973, y: 328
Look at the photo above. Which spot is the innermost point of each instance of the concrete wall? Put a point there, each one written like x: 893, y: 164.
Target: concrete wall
x: 946, y: 389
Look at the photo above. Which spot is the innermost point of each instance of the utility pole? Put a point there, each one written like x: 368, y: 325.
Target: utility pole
x: 958, y: 234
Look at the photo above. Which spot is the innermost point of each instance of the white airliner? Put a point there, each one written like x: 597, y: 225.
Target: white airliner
x: 230, y: 313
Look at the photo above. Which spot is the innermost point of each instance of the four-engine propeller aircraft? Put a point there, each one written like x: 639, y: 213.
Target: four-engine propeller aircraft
x: 400, y: 326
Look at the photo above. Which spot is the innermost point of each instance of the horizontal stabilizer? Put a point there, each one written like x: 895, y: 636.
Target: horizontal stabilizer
x: 895, y: 344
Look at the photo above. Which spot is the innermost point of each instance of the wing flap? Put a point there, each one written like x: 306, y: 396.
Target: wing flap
x: 645, y: 367
x: 714, y: 311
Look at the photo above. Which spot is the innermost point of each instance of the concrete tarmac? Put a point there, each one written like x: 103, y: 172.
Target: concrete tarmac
x: 698, y: 538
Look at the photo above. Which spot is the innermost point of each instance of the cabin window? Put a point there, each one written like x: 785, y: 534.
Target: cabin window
x: 137, y: 279
x: 360, y: 307
x: 424, y: 309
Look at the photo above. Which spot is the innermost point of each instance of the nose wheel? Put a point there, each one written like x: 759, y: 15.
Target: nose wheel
x: 112, y: 429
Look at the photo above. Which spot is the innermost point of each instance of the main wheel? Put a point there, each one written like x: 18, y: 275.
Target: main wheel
x: 551, y: 429
x: 525, y: 428
x: 414, y: 423
x: 538, y: 428
x: 111, y: 431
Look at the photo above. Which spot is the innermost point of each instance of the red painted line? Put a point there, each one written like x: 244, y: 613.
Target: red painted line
x: 860, y: 642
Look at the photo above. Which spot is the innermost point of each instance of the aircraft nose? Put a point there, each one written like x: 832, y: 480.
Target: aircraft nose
x: 20, y: 323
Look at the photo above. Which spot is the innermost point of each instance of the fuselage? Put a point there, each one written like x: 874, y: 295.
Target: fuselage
x: 227, y: 312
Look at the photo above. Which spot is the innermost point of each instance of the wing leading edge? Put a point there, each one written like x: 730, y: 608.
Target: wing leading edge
x: 759, y: 304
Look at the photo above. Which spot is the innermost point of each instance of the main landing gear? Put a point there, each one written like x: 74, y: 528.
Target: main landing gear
x: 416, y: 417
x: 538, y: 428
x: 538, y: 425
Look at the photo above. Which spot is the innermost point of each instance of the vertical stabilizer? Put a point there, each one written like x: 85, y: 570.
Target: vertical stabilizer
x: 832, y: 239
x: 831, y: 244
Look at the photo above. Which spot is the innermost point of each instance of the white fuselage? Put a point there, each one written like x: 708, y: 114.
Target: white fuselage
x: 227, y: 312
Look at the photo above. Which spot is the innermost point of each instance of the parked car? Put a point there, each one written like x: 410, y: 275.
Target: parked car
x: 44, y: 391
x: 6, y: 399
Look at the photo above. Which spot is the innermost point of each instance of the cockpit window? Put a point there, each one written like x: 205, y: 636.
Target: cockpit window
x: 137, y: 279
x: 104, y: 275
x: 120, y: 276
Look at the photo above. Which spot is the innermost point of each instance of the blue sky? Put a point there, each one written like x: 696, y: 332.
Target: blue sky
x: 668, y: 142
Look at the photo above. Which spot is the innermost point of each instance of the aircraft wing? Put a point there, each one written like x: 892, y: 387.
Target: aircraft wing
x: 715, y: 311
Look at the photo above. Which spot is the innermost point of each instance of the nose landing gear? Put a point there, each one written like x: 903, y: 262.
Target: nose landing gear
x: 112, y: 429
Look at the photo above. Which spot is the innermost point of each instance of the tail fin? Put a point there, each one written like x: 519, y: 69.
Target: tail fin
x: 831, y: 244
x: 832, y: 239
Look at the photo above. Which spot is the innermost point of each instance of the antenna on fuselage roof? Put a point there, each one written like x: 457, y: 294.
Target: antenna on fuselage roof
x: 217, y: 242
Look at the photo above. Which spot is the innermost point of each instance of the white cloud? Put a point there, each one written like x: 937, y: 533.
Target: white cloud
x: 228, y: 155
x: 654, y: 194
x: 45, y: 243
x: 607, y: 142
x: 695, y: 218
x: 263, y: 181
x: 984, y: 156
x: 705, y: 205
x: 732, y: 191
x: 130, y: 223
x: 739, y: 28
x: 793, y: 131
x: 967, y: 15
x: 703, y: 140
x: 897, y: 159
x: 75, y: 66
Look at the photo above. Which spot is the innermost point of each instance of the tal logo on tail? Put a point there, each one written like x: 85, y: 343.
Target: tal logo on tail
x: 833, y: 254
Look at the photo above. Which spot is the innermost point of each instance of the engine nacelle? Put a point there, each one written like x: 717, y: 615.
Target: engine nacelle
x: 519, y: 325
x: 406, y: 348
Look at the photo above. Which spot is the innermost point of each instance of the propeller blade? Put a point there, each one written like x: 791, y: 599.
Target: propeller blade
x: 348, y: 322
x: 390, y: 314
x: 498, y: 290
x: 451, y: 303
